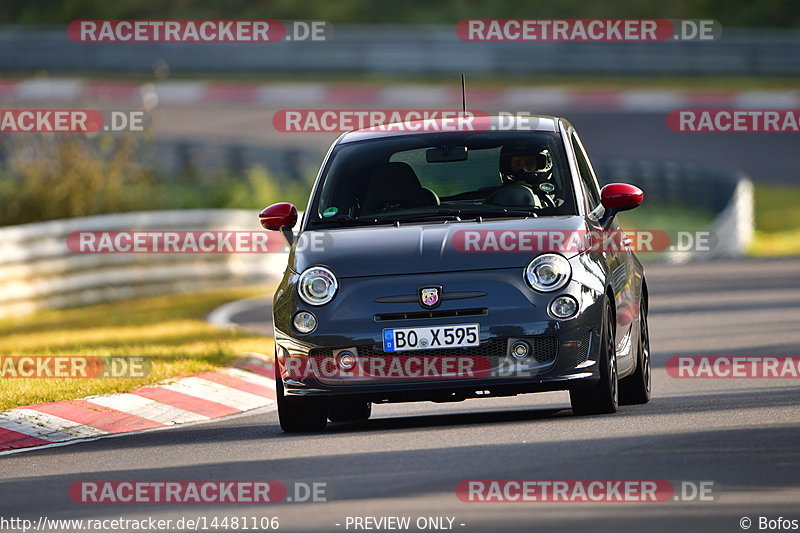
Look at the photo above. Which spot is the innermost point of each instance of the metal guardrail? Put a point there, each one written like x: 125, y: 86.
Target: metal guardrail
x: 38, y: 271
x: 724, y: 191
x: 410, y: 49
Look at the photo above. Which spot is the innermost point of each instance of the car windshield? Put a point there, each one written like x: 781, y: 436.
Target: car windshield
x: 444, y: 176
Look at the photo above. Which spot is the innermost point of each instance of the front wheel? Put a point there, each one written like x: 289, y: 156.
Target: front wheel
x: 635, y: 389
x: 603, y: 398
x: 299, y: 414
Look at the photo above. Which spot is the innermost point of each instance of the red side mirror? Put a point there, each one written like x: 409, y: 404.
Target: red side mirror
x: 278, y: 216
x: 621, y: 196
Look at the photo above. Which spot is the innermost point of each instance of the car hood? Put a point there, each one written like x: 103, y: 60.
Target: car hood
x: 414, y: 248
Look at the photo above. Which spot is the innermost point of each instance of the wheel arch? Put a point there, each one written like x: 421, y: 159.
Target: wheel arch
x: 611, y: 301
x: 644, y: 295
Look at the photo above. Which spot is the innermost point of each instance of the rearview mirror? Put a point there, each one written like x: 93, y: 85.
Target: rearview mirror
x: 446, y: 154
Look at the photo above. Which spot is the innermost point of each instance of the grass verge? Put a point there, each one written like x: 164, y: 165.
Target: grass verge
x: 671, y: 219
x: 170, y: 330
x: 666, y: 218
x: 776, y: 215
x: 777, y: 219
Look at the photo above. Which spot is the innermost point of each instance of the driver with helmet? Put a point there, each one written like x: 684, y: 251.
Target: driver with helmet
x: 525, y: 164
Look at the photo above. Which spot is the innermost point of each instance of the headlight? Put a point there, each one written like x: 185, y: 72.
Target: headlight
x: 317, y: 285
x: 548, y: 272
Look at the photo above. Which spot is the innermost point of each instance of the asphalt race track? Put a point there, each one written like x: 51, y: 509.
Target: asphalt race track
x: 740, y: 434
x: 765, y: 157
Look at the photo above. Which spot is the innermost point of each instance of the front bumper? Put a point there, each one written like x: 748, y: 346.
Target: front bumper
x: 563, y: 353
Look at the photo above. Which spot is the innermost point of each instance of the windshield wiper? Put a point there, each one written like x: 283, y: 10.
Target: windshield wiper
x: 459, y: 214
x: 506, y: 213
x: 474, y: 213
x: 345, y: 220
x: 438, y: 215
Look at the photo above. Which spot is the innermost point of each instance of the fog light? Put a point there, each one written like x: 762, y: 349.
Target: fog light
x: 304, y: 322
x: 520, y: 349
x: 346, y: 359
x: 564, y: 306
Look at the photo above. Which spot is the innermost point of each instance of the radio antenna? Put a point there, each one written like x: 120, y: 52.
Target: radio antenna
x: 463, y: 94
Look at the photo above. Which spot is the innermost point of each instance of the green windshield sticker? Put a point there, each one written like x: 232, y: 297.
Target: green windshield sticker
x: 330, y: 211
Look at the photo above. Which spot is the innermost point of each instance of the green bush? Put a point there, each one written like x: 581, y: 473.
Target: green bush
x: 260, y: 188
x: 48, y: 179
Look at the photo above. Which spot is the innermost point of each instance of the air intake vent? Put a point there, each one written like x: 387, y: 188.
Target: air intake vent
x: 439, y: 313
x: 586, y: 344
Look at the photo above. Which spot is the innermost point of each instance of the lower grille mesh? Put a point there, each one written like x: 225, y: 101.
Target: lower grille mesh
x: 544, y: 350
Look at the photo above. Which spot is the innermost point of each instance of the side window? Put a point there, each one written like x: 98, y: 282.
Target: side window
x: 589, y: 184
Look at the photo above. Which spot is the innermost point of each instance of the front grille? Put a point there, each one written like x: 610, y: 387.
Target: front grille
x: 485, y: 358
x: 544, y: 350
x: 495, y: 348
x: 432, y: 314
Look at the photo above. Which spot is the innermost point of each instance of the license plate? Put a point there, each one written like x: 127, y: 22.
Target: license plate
x: 427, y: 338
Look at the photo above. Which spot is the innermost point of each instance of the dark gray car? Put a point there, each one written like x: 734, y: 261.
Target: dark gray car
x: 439, y: 265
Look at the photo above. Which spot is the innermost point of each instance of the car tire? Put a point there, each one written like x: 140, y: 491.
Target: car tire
x: 349, y: 411
x: 635, y: 389
x: 299, y: 414
x: 603, y: 397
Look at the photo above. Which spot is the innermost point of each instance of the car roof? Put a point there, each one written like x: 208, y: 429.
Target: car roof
x: 452, y: 123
